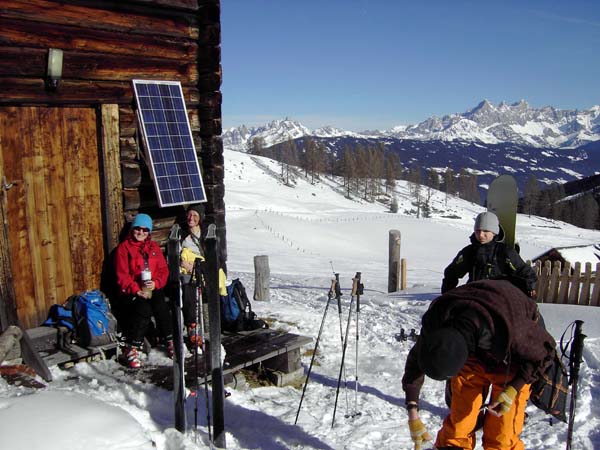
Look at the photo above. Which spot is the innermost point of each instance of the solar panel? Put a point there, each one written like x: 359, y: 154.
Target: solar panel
x: 168, y: 142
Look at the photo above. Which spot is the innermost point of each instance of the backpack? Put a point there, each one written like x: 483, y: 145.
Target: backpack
x: 551, y: 390
x: 94, y: 322
x: 87, y: 317
x: 236, y: 310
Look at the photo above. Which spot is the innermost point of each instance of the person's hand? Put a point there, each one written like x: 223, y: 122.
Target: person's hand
x: 418, y: 433
x: 187, y: 265
x: 142, y: 294
x: 150, y: 285
x: 504, y: 402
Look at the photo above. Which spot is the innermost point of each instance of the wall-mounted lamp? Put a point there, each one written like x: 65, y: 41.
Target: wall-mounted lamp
x: 55, y: 64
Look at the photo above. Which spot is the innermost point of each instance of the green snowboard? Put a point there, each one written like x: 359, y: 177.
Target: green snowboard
x: 502, y: 200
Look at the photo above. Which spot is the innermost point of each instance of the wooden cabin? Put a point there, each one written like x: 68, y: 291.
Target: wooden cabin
x: 572, y: 254
x: 71, y: 162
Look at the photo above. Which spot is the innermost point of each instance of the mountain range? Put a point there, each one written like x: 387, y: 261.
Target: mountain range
x: 486, y: 123
x: 556, y: 146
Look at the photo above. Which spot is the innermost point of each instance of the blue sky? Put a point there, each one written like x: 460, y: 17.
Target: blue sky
x: 366, y: 64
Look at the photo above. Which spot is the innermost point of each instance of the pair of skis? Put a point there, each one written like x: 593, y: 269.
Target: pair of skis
x: 211, y: 268
x: 335, y: 292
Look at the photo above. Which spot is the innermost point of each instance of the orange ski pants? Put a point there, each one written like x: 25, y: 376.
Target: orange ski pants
x: 469, y: 390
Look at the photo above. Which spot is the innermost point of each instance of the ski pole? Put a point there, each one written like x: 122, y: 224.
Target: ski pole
x: 312, y: 359
x: 357, y: 290
x: 338, y: 297
x: 575, y: 358
x: 343, y: 358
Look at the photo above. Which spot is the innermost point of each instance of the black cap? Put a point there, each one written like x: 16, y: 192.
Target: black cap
x: 443, y: 353
x: 197, y: 207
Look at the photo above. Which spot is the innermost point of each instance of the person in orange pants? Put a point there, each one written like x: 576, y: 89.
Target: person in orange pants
x: 500, y: 431
x: 480, y: 335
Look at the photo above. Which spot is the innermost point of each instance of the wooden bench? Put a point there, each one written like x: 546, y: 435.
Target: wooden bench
x: 278, y: 352
x: 50, y: 343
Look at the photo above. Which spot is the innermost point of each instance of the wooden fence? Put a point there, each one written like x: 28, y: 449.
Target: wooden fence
x: 568, y: 285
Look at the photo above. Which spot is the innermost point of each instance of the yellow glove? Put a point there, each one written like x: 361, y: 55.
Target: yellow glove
x: 504, y: 401
x: 418, y: 433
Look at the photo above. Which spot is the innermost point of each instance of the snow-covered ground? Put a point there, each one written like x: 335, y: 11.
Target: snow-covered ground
x: 309, y: 232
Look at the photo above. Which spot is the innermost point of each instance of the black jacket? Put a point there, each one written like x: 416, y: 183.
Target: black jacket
x: 492, y: 261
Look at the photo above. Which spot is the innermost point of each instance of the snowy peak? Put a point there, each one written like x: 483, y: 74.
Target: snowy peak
x: 487, y: 123
x: 274, y: 132
x: 516, y: 123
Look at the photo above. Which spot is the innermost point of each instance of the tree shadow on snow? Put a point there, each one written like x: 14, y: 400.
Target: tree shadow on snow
x: 256, y: 429
x: 400, y: 402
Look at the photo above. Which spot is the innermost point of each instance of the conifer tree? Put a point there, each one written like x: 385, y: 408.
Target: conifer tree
x: 448, y: 183
x: 591, y: 212
x: 257, y: 146
x: 531, y: 196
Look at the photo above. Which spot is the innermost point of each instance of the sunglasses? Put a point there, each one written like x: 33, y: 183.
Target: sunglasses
x: 145, y: 230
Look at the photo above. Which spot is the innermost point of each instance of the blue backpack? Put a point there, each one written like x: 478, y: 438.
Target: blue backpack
x: 236, y: 310
x: 89, y: 316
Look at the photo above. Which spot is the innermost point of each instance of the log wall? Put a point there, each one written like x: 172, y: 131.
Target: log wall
x: 106, y: 44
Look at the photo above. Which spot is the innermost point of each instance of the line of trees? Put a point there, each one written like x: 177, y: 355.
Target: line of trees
x: 580, y: 210
x: 367, y: 171
x: 370, y: 172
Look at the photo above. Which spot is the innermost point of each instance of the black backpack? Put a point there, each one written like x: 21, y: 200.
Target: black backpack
x: 236, y: 310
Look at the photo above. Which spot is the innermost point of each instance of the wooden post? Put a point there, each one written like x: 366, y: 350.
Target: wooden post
x: 403, y: 274
x: 595, y: 297
x: 574, y: 282
x: 262, y: 275
x: 112, y: 197
x: 563, y: 291
x: 394, y: 261
x: 553, y: 287
x: 584, y: 295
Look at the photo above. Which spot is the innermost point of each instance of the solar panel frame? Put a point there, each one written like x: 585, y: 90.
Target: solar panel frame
x: 168, y: 142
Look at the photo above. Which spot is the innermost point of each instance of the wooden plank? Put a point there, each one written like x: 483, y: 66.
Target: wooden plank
x: 113, y: 185
x: 574, y: 284
x: 595, y: 297
x: 247, y: 350
x: 563, y: 290
x: 32, y: 62
x: 33, y: 359
x: 60, y: 280
x: 37, y: 234
x: 541, y: 286
x: 584, y: 295
x: 16, y: 137
x: 8, y: 308
x: 75, y: 92
x: 82, y: 187
x: 105, y: 15
x: 553, y: 285
x: 37, y: 34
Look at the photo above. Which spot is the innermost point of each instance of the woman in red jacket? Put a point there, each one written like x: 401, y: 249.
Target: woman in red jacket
x: 142, y: 273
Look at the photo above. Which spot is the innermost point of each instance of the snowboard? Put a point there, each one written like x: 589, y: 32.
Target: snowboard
x: 502, y: 200
x: 176, y: 303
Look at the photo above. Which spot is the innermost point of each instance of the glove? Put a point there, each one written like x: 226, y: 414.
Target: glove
x: 418, y: 433
x: 505, y: 400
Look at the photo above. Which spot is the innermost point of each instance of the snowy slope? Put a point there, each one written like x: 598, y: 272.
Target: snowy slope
x: 308, y: 231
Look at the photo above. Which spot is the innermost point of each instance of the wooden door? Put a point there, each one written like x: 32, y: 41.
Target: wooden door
x: 53, y: 214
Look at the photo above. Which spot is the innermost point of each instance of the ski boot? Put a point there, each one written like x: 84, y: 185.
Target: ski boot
x: 131, y: 357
